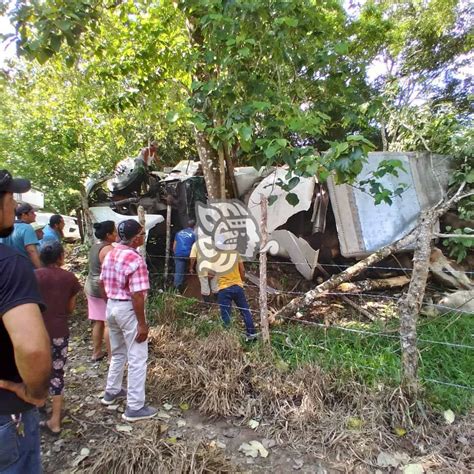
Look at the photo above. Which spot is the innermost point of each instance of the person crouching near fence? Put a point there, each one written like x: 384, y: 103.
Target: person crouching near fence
x: 125, y: 279
x: 59, y: 289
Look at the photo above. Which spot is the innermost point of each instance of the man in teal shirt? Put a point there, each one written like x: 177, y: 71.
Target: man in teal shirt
x: 54, y: 230
x: 24, y: 237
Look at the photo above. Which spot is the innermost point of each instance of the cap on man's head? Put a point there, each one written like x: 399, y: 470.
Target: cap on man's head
x: 23, y: 209
x: 10, y: 185
x: 128, y: 229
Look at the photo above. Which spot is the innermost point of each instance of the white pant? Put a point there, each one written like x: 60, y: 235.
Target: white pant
x: 122, y: 332
x: 206, y: 288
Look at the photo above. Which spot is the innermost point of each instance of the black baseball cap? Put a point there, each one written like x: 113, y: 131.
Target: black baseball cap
x: 128, y: 229
x: 10, y: 185
x: 23, y: 209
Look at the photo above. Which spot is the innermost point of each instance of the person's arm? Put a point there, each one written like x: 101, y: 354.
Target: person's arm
x: 32, y: 251
x: 138, y: 302
x: 103, y: 252
x: 71, y: 304
x: 76, y: 287
x: 242, y: 270
x: 174, y: 247
x: 31, y: 345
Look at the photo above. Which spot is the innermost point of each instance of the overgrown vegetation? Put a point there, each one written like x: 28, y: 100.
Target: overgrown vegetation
x: 372, y: 361
x: 375, y: 360
x: 315, y: 387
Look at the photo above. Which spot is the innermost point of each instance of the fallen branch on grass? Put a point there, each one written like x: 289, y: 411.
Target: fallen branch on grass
x: 376, y: 284
x: 300, y: 303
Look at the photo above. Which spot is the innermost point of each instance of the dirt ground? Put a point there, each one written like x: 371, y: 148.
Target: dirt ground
x: 95, y: 439
x: 87, y: 424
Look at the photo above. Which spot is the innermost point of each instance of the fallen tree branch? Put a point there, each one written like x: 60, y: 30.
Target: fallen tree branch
x: 347, y: 300
x: 300, y: 303
x: 361, y: 310
x: 375, y: 284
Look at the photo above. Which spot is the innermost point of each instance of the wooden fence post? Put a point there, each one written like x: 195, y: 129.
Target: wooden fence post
x: 142, y: 222
x: 411, y: 303
x: 168, y: 239
x: 263, y: 272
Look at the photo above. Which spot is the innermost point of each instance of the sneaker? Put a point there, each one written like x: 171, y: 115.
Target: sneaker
x: 109, y: 399
x: 251, y: 337
x: 141, y: 414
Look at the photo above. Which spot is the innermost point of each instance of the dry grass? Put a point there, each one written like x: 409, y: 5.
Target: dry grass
x: 307, y: 408
x: 148, y: 453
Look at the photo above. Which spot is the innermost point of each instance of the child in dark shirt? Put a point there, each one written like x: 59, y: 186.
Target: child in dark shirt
x: 58, y: 289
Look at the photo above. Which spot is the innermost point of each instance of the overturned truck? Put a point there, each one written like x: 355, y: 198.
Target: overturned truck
x: 330, y: 221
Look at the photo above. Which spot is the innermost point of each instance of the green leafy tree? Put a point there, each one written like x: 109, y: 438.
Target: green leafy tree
x: 263, y: 82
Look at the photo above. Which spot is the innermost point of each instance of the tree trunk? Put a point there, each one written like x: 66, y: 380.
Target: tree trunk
x: 220, y: 153
x: 263, y: 272
x: 141, y: 221
x: 86, y: 214
x: 383, y: 133
x: 411, y: 303
x: 230, y: 172
x: 209, y: 163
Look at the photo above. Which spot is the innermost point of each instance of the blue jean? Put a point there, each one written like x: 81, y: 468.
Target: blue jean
x: 235, y: 294
x: 20, y: 454
x: 179, y: 271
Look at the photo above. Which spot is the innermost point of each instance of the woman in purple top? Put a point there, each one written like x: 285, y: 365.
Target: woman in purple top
x: 58, y: 289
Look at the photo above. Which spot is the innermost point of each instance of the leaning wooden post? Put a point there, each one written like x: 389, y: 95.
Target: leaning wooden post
x: 168, y: 240
x: 411, y: 304
x: 142, y: 221
x: 263, y: 272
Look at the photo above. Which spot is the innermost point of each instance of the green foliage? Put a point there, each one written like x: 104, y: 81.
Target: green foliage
x: 374, y: 360
x: 459, y: 246
x: 263, y: 78
x: 269, y: 81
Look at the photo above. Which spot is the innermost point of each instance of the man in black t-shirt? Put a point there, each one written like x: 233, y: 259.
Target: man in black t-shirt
x: 25, y: 358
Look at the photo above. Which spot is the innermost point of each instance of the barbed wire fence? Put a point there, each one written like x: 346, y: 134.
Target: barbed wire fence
x: 262, y: 264
x: 389, y: 334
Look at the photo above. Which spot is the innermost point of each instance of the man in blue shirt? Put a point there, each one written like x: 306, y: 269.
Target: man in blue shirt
x: 24, y: 237
x: 54, y: 230
x: 183, y: 242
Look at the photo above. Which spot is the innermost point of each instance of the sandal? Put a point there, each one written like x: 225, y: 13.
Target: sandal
x: 98, y: 359
x: 45, y: 427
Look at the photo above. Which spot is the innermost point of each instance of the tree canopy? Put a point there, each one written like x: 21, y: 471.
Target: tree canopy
x: 258, y: 82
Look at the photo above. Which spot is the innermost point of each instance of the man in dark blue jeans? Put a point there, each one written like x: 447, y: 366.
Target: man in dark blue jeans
x: 231, y: 290
x: 25, y: 353
x: 183, y: 242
